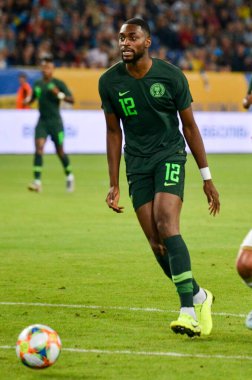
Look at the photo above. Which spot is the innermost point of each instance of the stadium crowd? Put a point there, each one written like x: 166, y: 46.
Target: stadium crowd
x: 214, y: 35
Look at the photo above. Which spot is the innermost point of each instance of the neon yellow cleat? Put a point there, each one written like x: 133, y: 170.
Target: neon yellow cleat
x: 186, y: 324
x: 203, y: 313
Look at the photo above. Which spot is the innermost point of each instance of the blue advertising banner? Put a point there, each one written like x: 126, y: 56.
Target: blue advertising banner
x: 9, y: 80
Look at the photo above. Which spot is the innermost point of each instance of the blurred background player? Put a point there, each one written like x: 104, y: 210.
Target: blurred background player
x: 24, y: 92
x: 49, y: 92
x: 244, y: 267
x: 247, y: 101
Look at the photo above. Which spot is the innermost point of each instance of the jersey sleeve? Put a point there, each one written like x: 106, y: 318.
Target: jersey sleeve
x: 34, y: 93
x: 250, y: 87
x: 104, y: 95
x: 183, y: 97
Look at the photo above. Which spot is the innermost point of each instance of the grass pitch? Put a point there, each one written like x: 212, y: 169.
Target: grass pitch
x: 71, y: 263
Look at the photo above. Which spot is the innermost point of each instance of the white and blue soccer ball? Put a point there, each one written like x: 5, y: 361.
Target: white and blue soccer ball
x: 38, y: 346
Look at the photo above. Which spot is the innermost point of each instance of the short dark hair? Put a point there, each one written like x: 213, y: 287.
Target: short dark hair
x: 22, y: 75
x: 139, y: 21
x: 46, y: 58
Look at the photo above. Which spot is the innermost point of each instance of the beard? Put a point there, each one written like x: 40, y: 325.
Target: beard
x: 135, y: 57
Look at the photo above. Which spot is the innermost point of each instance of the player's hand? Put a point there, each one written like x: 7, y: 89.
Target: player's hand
x: 113, y: 199
x: 247, y: 101
x: 249, y: 98
x: 26, y: 100
x: 53, y: 88
x: 212, y: 197
x: 55, y: 91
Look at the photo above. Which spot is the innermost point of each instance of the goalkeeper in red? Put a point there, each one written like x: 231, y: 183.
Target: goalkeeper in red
x: 146, y: 94
x: 49, y: 92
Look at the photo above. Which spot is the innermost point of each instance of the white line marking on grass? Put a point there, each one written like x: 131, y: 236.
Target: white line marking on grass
x: 148, y: 353
x: 123, y: 308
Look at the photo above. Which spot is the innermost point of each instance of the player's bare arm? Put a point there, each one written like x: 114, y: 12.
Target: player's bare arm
x: 62, y: 96
x: 114, y: 149
x: 247, y: 101
x: 195, y: 143
x: 29, y: 98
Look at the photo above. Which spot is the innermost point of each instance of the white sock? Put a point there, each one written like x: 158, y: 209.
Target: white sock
x: 190, y: 311
x: 37, y: 182
x: 200, y: 297
x: 70, y: 177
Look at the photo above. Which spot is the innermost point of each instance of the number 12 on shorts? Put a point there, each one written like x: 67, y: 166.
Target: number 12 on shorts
x: 172, y: 173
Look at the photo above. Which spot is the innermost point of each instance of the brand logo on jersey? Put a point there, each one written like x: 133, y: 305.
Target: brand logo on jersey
x: 123, y: 93
x: 157, y: 90
x: 169, y: 184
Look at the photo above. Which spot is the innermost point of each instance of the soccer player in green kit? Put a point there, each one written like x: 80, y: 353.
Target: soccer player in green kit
x: 146, y: 94
x: 49, y: 92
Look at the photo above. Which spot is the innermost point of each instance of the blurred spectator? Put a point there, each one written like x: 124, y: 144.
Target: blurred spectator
x: 214, y: 34
x: 167, y: 37
x: 3, y: 60
x: 11, y: 46
x: 28, y: 55
x: 98, y: 56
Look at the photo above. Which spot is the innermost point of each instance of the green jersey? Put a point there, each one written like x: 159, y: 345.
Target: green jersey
x: 147, y: 106
x: 250, y: 87
x: 49, y: 104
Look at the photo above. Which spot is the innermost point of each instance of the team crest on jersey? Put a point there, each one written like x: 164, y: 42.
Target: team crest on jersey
x: 157, y: 90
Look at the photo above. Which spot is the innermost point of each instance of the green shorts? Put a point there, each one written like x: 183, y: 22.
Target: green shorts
x: 166, y: 176
x: 53, y: 129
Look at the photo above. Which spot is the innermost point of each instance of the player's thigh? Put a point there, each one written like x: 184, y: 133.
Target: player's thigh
x: 141, y: 189
x: 166, y: 210
x: 41, y: 131
x: 58, y: 136
x: 146, y: 219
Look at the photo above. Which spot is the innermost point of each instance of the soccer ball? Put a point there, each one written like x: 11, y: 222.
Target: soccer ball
x: 38, y: 346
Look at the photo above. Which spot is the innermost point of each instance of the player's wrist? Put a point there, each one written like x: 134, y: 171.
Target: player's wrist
x: 61, y: 95
x: 205, y: 173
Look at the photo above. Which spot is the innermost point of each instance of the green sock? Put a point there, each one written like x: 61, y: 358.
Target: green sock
x: 180, y: 266
x: 66, y: 164
x: 196, y: 287
x: 37, y: 165
x: 163, y: 261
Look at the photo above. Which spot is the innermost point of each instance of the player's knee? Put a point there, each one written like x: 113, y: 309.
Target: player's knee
x: 39, y: 150
x: 166, y: 227
x: 60, y: 151
x: 157, y: 248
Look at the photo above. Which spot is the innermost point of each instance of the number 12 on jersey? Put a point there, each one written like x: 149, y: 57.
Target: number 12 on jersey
x: 128, y: 106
